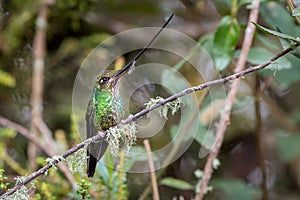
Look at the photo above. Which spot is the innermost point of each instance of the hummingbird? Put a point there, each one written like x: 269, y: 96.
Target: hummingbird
x: 105, y: 108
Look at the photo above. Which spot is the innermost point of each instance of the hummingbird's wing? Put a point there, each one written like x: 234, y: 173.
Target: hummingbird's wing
x: 95, y: 150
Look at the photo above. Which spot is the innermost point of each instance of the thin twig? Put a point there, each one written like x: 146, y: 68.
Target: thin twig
x: 225, y: 119
x: 38, y: 124
x: 147, y: 110
x: 176, y: 147
x: 172, y: 153
x: 20, y: 129
x: 31, y: 137
x: 277, y: 113
x: 12, y: 163
x: 280, y: 115
x: 206, y: 85
x: 121, y: 175
x: 264, y: 188
x: 39, y: 43
x: 44, y: 169
x: 293, y: 5
x: 152, y: 170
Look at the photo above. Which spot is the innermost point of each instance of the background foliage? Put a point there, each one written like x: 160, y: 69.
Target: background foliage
x: 75, y: 27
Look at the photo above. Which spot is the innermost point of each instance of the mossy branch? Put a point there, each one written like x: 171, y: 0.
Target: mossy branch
x: 132, y: 118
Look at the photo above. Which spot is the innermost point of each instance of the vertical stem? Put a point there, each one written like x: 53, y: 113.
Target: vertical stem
x: 176, y: 147
x: 2, y: 42
x: 39, y: 44
x: 13, y: 164
x: 38, y: 125
x: 292, y: 5
x: 121, y: 175
x: 152, y: 171
x: 264, y: 188
x: 234, y: 8
x: 225, y: 118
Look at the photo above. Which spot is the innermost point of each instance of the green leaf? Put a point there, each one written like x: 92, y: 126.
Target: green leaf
x: 243, y: 2
x: 284, y: 42
x: 288, y: 146
x: 220, y: 54
x: 104, y: 170
x: 7, y: 79
x: 276, y: 33
x: 169, y: 77
x: 207, y: 42
x: 7, y: 133
x: 236, y: 189
x: 227, y: 34
x: 205, y: 137
x: 268, y: 42
x: 296, y: 115
x: 225, y: 41
x: 173, y: 131
x: 258, y: 56
x: 296, y: 52
x: 138, y: 154
x: 296, y: 12
x: 221, y: 58
x: 223, y: 6
x: 288, y: 77
x: 277, y: 16
x: 176, y: 183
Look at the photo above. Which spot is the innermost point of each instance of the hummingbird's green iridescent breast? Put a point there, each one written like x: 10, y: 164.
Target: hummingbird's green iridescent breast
x: 108, y: 109
x: 107, y: 101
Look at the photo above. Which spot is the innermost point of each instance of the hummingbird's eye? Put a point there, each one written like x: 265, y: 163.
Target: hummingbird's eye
x: 104, y: 80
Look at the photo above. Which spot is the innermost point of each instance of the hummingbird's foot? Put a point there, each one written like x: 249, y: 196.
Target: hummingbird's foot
x: 102, y: 135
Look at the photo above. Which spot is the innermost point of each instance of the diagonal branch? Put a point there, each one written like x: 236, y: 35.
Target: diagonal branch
x: 240, y: 74
x: 38, y: 142
x: 22, y: 130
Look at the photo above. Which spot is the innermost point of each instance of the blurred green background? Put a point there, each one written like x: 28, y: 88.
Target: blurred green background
x: 76, y: 27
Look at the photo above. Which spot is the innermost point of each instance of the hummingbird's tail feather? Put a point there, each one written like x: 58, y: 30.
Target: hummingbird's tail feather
x: 98, y: 150
x: 91, y: 165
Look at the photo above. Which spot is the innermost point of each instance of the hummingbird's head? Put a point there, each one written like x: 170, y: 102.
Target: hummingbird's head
x: 108, y: 80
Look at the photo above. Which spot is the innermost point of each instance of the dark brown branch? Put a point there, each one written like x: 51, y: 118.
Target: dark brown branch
x: 264, y: 188
x: 205, y: 85
x: 147, y: 110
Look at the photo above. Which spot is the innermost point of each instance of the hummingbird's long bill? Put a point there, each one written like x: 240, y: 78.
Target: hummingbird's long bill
x: 128, y: 65
x: 105, y: 108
